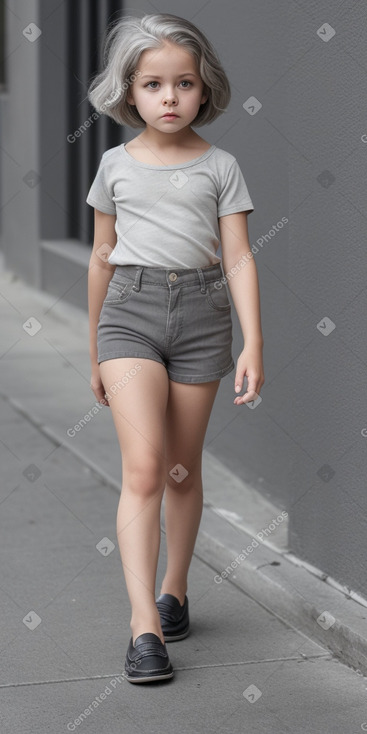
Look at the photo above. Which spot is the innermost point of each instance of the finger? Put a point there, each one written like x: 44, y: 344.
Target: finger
x: 251, y: 386
x: 100, y: 395
x: 247, y: 397
x: 251, y: 383
x: 238, y: 381
x: 251, y: 392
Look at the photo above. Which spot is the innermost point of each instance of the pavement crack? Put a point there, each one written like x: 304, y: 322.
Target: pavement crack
x: 229, y: 664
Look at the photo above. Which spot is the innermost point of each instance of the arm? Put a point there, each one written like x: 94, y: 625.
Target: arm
x: 244, y: 286
x: 100, y: 273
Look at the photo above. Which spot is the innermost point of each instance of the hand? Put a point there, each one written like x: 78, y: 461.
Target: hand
x: 250, y: 365
x: 97, y: 385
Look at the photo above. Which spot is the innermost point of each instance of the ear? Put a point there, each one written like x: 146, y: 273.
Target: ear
x: 130, y: 99
x: 204, y: 96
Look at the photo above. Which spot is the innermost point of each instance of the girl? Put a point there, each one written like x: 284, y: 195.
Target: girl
x: 160, y: 318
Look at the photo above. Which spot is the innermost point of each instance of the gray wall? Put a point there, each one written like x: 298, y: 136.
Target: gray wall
x: 20, y: 160
x: 303, y: 157
x: 323, y: 381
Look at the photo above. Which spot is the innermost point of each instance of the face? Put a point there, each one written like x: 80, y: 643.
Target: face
x: 169, y: 82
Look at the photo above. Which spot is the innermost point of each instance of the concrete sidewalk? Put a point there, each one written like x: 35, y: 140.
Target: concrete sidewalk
x: 268, y: 638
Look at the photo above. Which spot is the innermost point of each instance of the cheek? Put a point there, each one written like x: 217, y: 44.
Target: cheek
x: 138, y: 96
x: 144, y: 99
x: 197, y: 99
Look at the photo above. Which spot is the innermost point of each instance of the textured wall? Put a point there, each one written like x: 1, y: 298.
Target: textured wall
x: 326, y: 407
x: 20, y: 111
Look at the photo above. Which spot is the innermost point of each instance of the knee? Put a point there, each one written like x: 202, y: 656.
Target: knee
x: 182, y: 479
x: 144, y: 478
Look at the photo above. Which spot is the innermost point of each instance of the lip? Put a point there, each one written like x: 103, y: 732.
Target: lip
x: 169, y: 115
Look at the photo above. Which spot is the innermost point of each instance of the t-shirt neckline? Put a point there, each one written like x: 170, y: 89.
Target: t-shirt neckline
x: 185, y: 164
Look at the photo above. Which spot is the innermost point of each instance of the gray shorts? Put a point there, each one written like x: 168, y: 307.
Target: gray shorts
x: 180, y: 318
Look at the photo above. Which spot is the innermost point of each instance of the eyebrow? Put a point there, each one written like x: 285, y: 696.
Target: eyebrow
x: 155, y: 76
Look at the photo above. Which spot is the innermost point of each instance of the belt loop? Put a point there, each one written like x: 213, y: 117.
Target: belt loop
x: 202, y: 280
x: 137, y: 282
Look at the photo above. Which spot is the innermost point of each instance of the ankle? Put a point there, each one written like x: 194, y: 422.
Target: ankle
x: 178, y: 592
x: 136, y: 632
x: 141, y: 625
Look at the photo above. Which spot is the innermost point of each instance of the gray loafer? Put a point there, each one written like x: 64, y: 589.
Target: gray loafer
x: 174, y: 618
x: 147, y: 660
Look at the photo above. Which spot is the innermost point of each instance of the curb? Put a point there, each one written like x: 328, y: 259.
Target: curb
x: 286, y: 590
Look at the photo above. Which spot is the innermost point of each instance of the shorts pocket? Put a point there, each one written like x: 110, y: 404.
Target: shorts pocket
x: 118, y: 292
x: 217, y: 298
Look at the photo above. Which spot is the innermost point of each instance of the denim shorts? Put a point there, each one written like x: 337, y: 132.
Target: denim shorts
x: 180, y: 318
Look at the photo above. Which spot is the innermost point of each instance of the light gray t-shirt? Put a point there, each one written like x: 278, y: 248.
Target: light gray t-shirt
x: 167, y: 216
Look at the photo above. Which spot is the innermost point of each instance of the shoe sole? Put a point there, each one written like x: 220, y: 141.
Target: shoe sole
x: 149, y: 678
x: 175, y: 638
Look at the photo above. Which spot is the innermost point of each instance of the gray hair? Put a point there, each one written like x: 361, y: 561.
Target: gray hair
x: 125, y: 41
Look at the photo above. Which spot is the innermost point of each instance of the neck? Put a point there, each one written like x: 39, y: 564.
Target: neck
x: 157, y: 139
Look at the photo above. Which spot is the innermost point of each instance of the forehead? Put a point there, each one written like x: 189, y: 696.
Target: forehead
x: 168, y: 57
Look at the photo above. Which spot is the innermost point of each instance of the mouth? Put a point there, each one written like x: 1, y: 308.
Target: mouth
x: 168, y: 114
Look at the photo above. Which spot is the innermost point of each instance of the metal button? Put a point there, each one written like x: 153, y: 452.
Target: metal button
x: 172, y: 277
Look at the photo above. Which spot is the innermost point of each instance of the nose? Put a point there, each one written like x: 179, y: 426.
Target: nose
x: 169, y: 99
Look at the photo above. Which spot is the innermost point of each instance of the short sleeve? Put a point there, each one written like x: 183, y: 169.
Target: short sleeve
x: 234, y: 196
x: 100, y: 193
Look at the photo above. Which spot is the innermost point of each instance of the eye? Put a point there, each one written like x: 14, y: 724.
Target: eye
x: 184, y: 81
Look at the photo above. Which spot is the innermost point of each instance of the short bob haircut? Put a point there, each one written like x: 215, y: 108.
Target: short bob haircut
x: 124, y: 43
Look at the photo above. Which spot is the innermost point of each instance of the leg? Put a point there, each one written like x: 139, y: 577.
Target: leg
x: 188, y: 412
x: 139, y: 410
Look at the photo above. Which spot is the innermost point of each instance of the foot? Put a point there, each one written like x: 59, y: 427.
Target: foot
x: 147, y: 660
x: 147, y: 622
x: 137, y: 632
x: 180, y: 597
x: 174, y: 617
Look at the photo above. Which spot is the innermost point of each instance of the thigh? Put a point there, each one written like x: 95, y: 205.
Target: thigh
x: 138, y: 393
x: 188, y: 412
